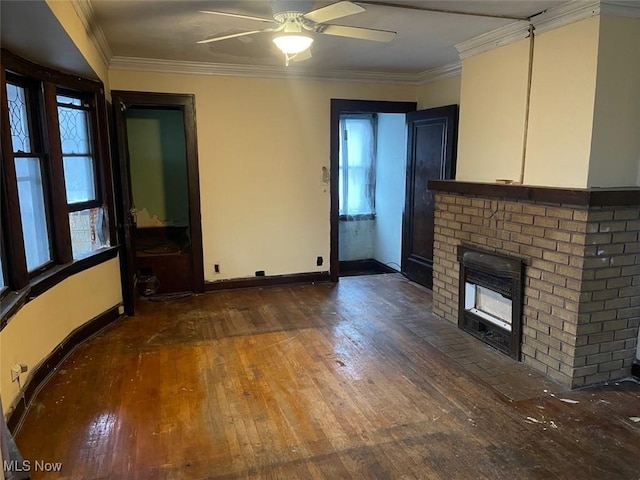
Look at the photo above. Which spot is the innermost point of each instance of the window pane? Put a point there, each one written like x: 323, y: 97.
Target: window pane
x: 77, y: 155
x: 74, y: 131
x: 2, y: 282
x: 357, y: 200
x: 20, y: 134
x: 89, y: 231
x: 360, y: 138
x: 79, y: 179
x: 32, y: 212
x: 69, y: 100
x: 357, y: 165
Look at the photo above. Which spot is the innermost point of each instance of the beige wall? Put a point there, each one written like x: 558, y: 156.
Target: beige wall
x: 34, y: 332
x: 492, y: 114
x: 439, y: 93
x: 68, y: 18
x: 616, y: 124
x: 562, y: 104
x: 262, y: 144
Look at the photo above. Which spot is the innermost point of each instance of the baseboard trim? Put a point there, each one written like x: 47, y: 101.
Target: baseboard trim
x: 272, y: 281
x: 45, y: 369
x: 635, y: 369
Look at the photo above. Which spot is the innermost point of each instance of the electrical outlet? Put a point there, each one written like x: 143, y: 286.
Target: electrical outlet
x: 121, y: 310
x: 216, y: 268
x: 319, y: 261
x: 260, y: 273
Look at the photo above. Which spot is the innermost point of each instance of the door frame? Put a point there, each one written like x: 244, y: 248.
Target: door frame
x: 123, y: 99
x: 338, y: 108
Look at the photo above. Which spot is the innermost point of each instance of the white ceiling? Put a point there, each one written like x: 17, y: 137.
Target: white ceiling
x: 169, y: 30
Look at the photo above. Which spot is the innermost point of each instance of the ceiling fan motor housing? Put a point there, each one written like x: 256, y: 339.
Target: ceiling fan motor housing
x: 279, y: 7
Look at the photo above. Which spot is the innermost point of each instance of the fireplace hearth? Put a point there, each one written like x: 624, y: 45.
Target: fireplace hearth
x: 490, y: 301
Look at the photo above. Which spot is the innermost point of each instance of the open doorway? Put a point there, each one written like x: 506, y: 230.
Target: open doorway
x: 160, y: 199
x: 431, y: 138
x: 159, y: 196
x: 372, y: 173
x: 362, y: 238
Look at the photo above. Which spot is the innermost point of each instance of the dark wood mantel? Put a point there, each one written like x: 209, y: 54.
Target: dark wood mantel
x: 591, y: 197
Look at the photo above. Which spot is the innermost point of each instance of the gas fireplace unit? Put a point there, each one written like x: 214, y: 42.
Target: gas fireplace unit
x: 490, y: 299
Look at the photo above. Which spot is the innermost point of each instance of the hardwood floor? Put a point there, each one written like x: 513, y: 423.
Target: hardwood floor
x: 356, y: 380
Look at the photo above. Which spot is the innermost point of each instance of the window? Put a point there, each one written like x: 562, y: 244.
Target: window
x: 55, y: 179
x: 357, y: 164
x: 87, y: 224
x: 32, y: 211
x: 28, y: 167
x: 77, y: 154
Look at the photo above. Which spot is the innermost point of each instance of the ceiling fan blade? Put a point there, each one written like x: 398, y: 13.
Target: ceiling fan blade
x: 333, y: 11
x: 357, y: 32
x: 235, y: 35
x: 237, y: 15
x: 302, y: 56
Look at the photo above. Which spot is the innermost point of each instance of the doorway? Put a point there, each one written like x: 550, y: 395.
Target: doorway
x: 159, y: 195
x: 372, y: 171
x: 361, y: 226
x: 430, y: 155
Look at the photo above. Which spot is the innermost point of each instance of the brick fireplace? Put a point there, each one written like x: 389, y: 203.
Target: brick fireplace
x: 581, y: 250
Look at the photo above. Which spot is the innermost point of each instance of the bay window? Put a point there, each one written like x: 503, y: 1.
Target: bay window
x: 55, y: 179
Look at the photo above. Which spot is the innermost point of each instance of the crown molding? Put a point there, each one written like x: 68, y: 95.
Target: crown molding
x: 439, y: 73
x: 85, y: 12
x: 565, y: 14
x: 291, y: 72
x: 550, y: 19
x: 499, y: 37
x: 579, y: 10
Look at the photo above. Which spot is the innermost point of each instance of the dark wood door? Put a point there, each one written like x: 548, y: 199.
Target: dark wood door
x: 431, y: 151
x: 124, y: 205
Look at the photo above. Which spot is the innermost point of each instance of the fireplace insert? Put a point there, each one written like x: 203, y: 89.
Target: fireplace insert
x: 490, y: 298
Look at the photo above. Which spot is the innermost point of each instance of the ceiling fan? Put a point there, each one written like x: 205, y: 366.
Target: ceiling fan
x: 291, y: 23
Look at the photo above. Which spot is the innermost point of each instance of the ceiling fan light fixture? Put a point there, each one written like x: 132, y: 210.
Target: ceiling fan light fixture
x: 292, y: 43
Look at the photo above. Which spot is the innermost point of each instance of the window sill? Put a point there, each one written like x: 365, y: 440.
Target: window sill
x: 356, y: 218
x: 13, y: 301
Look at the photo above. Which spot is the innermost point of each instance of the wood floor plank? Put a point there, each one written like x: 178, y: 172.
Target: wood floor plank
x: 351, y: 381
